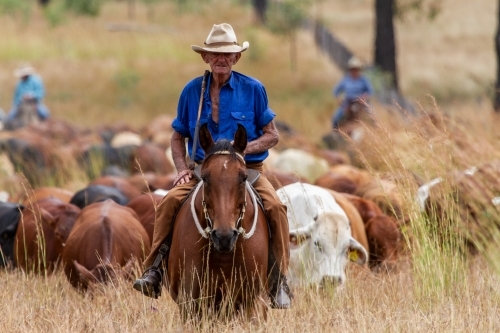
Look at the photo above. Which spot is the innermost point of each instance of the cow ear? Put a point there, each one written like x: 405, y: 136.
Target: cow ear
x: 297, y: 239
x: 356, y: 252
x: 240, y: 139
x: 206, y: 141
x: 47, y: 217
x: 85, y: 275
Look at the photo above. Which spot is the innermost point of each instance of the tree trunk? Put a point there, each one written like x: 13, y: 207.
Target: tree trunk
x: 131, y: 9
x: 260, y: 7
x: 385, y: 44
x: 497, y: 48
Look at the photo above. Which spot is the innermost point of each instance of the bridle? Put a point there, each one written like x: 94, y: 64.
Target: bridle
x: 205, y: 233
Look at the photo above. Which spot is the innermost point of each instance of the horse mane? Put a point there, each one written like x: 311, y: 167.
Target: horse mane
x: 222, y: 145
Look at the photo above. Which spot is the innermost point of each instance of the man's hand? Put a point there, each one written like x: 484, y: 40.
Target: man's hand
x: 183, y: 177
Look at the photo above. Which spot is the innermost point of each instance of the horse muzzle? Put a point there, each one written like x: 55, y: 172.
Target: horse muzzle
x: 224, y: 241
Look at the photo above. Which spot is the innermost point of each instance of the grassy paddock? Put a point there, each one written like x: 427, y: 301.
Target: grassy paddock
x: 368, y: 303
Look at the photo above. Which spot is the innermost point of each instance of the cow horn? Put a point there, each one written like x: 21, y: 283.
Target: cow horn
x: 357, y: 252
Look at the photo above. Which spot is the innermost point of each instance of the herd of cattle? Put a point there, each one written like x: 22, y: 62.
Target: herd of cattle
x: 336, y: 211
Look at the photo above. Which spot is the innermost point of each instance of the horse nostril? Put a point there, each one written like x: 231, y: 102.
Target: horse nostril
x: 235, y: 233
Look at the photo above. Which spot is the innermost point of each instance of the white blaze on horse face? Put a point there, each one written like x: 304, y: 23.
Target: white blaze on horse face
x: 225, y: 164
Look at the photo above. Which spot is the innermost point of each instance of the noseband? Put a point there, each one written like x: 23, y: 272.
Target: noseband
x: 205, y: 233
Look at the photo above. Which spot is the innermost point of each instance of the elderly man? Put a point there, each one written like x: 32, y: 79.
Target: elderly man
x: 29, y: 87
x: 231, y: 99
x: 354, y: 86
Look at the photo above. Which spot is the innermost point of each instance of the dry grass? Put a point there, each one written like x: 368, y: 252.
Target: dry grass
x: 368, y: 303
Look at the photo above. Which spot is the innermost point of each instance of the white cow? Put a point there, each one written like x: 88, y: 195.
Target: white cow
x: 320, y: 236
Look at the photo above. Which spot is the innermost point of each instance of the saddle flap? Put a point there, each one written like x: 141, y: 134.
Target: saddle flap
x: 253, y: 175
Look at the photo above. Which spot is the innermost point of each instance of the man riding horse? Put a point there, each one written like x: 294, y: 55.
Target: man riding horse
x: 29, y: 89
x: 354, y: 86
x: 231, y: 99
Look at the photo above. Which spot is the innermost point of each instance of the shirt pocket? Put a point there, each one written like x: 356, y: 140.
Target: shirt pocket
x: 243, y: 116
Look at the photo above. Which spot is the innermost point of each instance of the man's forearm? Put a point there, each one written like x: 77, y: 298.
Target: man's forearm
x: 268, y: 140
x: 178, y: 145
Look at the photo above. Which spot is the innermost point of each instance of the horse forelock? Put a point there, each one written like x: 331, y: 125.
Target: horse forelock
x: 222, y: 145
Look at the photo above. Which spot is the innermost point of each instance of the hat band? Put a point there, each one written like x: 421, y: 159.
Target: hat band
x: 222, y: 44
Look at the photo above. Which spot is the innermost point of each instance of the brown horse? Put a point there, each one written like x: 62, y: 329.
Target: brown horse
x: 219, y: 255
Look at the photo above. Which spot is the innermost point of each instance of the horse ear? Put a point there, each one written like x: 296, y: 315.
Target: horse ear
x: 206, y: 141
x: 240, y: 139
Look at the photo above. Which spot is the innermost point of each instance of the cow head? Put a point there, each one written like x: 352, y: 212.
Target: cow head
x: 62, y: 221
x: 9, y: 219
x: 103, y: 273
x: 323, y: 249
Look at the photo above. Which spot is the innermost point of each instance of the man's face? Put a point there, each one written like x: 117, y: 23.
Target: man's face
x: 355, y: 72
x: 221, y: 63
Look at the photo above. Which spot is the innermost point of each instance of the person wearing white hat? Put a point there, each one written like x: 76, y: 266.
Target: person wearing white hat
x: 30, y: 86
x: 231, y: 99
x: 354, y: 86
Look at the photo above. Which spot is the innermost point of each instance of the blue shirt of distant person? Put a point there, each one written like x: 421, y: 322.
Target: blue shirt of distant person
x: 353, y: 86
x: 30, y: 85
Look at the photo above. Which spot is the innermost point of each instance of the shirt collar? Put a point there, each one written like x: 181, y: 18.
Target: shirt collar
x: 231, y: 83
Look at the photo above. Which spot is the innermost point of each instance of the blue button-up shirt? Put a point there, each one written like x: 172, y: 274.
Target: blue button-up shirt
x: 33, y: 85
x: 242, y: 100
x: 353, y: 88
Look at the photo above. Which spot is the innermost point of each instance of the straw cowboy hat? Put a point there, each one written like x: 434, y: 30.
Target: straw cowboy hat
x: 24, y: 70
x: 354, y: 63
x: 221, y: 39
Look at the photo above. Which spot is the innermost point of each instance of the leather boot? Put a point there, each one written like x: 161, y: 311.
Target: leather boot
x: 150, y: 283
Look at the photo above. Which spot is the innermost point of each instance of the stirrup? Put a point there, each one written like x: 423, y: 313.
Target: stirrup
x: 149, y: 284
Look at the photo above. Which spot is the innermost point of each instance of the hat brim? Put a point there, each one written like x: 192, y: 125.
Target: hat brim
x: 221, y: 48
x: 24, y: 72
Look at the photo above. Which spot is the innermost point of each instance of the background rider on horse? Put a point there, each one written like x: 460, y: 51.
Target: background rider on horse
x: 30, y: 87
x: 354, y: 86
x: 231, y: 99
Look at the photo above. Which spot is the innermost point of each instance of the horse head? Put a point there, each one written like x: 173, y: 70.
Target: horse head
x: 224, y: 176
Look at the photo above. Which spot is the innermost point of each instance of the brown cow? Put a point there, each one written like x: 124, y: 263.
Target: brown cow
x: 383, y: 234
x: 37, y: 247
x: 336, y: 182
x: 385, y: 194
x: 43, y: 193
x: 105, y: 236
x: 357, y: 225
x: 149, y: 157
x: 145, y: 208
x: 384, y: 238
x: 151, y: 182
x: 280, y: 179
x: 121, y: 184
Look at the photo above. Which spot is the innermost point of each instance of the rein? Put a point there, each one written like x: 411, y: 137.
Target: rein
x: 205, y: 233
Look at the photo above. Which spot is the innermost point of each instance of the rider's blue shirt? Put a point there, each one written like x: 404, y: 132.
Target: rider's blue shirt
x: 353, y: 88
x: 242, y: 100
x: 33, y: 85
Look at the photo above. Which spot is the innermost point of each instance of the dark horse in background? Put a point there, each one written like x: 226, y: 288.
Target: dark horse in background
x: 27, y: 115
x: 219, y: 254
x: 356, y: 115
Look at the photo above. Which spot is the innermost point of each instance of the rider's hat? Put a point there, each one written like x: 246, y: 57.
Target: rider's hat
x: 354, y: 63
x: 221, y: 39
x: 24, y: 70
